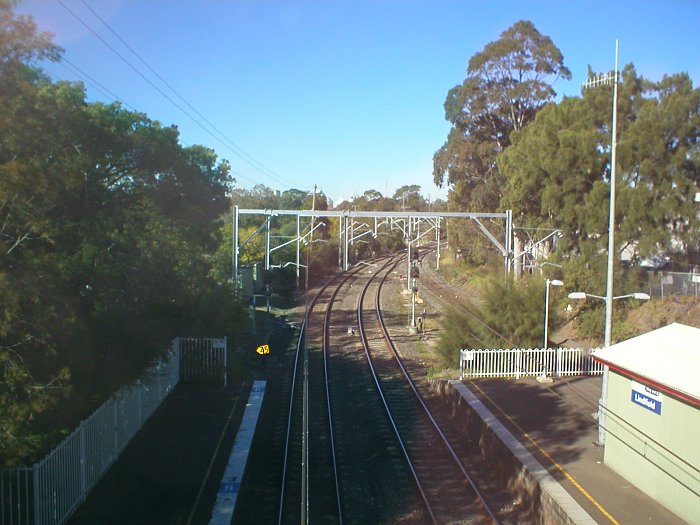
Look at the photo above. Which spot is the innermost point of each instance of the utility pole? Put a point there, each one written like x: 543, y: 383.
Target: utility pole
x: 311, y: 240
x: 611, y: 225
x: 607, y: 79
x: 594, y: 82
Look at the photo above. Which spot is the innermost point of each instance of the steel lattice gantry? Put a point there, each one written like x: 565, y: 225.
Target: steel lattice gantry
x: 353, y: 225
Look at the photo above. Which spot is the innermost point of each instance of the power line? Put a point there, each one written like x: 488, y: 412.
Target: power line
x: 259, y: 165
x: 95, y: 83
x: 234, y: 148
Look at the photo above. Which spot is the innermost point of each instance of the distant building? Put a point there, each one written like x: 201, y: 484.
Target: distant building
x: 652, y: 418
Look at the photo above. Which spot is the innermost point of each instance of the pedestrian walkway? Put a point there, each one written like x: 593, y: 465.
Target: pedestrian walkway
x: 556, y: 423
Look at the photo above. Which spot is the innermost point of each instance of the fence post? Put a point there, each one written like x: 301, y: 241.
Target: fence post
x: 116, y: 428
x: 83, y: 483
x: 36, y: 478
x: 225, y: 361
x: 518, y: 362
x: 558, y: 362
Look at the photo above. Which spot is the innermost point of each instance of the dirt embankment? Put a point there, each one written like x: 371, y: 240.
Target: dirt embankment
x: 659, y: 312
x: 653, y: 314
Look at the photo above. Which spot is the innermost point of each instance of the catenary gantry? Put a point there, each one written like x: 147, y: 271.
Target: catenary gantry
x: 353, y: 225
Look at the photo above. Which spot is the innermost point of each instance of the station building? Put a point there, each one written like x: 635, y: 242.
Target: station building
x: 652, y: 422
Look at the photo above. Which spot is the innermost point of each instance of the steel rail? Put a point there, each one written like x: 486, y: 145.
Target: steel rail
x: 365, y: 344
x: 326, y: 347
x: 302, y: 336
x: 301, y: 345
x: 419, y: 398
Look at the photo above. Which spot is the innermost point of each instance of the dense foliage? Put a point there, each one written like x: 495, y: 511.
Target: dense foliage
x: 506, y: 84
x: 511, y: 315
x: 512, y: 146
x: 107, y: 226
x: 558, y: 168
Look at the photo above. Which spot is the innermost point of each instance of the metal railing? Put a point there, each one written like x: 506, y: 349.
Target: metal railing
x: 527, y: 362
x: 662, y: 284
x: 53, y: 488
x: 202, y: 359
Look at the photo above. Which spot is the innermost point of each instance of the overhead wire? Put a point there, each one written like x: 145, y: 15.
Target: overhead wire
x: 259, y: 165
x: 95, y: 83
x: 229, y: 144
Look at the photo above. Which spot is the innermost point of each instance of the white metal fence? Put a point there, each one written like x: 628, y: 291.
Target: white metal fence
x: 53, y: 488
x: 202, y: 359
x: 529, y: 362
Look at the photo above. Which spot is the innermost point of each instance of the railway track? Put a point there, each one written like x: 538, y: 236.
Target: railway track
x: 359, y: 443
x: 448, y: 492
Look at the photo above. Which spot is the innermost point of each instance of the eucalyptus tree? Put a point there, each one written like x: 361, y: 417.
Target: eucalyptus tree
x: 507, y: 83
x: 408, y: 198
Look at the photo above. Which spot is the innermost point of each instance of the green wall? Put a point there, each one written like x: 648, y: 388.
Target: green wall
x: 664, y: 463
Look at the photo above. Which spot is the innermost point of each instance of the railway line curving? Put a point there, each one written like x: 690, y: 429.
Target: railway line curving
x: 360, y: 443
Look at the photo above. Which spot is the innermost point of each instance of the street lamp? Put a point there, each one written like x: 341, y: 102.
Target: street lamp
x: 548, y: 282
x: 583, y: 295
x: 602, y: 402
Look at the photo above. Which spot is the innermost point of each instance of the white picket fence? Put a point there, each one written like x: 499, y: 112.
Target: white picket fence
x: 527, y: 362
x: 52, y: 489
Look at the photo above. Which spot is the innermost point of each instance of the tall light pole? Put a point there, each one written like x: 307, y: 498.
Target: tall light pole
x: 611, y: 240
x: 607, y: 79
x: 548, y: 282
x: 611, y: 223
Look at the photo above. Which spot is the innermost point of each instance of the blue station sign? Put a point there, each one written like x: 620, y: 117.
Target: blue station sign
x: 647, y: 397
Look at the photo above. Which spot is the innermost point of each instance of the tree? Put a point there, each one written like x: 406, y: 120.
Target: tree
x: 107, y: 232
x: 511, y: 315
x: 507, y: 84
x: 33, y: 297
x: 558, y: 167
x: 408, y: 197
x: 292, y: 199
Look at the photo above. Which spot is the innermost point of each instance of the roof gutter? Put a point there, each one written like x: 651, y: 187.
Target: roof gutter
x: 655, y: 384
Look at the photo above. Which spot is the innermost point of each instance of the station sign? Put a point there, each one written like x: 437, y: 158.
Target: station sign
x: 647, y: 397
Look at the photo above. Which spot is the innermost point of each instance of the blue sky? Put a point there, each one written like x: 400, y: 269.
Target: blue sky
x: 347, y: 95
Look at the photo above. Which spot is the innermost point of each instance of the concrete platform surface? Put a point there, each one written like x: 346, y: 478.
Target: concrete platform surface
x: 556, y: 423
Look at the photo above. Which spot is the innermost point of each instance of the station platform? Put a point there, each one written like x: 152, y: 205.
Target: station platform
x: 556, y: 423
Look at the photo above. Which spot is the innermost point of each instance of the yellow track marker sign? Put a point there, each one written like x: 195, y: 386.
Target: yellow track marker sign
x: 263, y: 349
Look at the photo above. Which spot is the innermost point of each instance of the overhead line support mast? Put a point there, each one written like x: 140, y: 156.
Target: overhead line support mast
x: 352, y: 227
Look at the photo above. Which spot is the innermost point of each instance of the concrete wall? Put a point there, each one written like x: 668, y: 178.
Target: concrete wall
x: 659, y: 453
x: 545, y: 501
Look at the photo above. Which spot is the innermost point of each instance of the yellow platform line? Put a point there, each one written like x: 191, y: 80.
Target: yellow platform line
x: 551, y: 459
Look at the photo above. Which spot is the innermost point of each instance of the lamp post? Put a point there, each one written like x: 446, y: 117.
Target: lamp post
x: 607, y: 79
x: 602, y: 402
x: 583, y: 295
x: 548, y: 282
